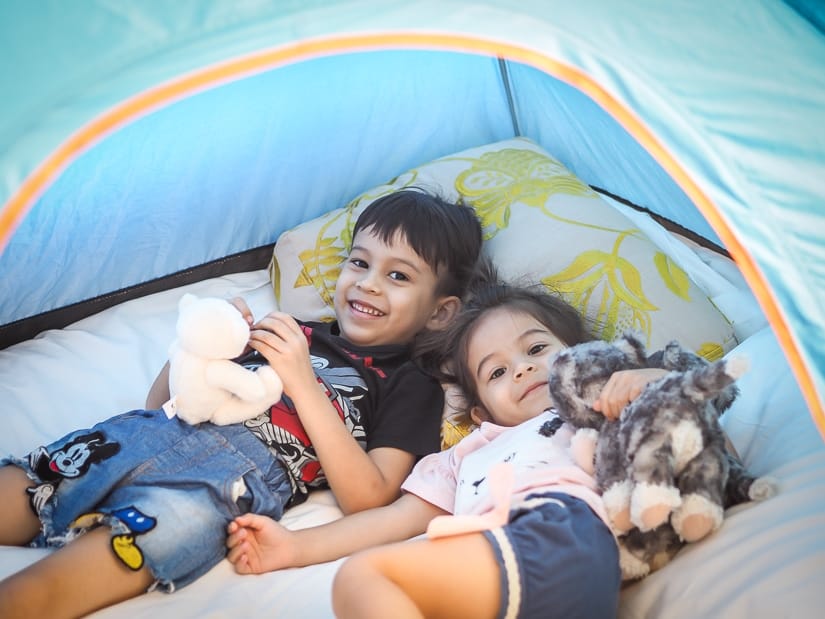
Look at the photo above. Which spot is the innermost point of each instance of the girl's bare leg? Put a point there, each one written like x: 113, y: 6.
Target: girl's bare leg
x: 18, y: 523
x: 420, y: 578
x: 83, y: 576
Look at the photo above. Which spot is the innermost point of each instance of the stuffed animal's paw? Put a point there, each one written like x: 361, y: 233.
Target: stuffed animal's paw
x: 763, y: 488
x: 583, y: 449
x: 617, y: 503
x: 190, y: 415
x: 696, y: 517
x: 234, y: 411
x: 632, y: 567
x: 651, y: 504
x: 273, y: 385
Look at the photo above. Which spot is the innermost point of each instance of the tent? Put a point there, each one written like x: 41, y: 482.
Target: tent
x: 126, y: 123
x: 123, y: 122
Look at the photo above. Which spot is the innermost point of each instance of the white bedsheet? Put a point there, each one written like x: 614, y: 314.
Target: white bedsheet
x: 767, y: 560
x: 71, y: 378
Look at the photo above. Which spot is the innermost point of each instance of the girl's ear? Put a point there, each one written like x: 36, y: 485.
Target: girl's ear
x: 479, y: 414
x: 444, y: 312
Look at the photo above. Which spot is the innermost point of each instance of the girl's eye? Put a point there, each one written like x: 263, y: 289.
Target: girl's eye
x: 537, y: 348
x: 398, y: 276
x: 496, y: 373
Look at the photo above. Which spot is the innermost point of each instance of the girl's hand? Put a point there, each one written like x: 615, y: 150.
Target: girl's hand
x: 622, y: 388
x: 258, y: 544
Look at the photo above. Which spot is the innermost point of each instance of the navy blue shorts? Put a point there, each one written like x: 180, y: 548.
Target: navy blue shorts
x: 558, y: 559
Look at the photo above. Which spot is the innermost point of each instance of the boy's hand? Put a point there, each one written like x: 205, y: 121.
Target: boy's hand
x: 622, y: 388
x: 243, y: 308
x: 258, y: 544
x: 280, y: 339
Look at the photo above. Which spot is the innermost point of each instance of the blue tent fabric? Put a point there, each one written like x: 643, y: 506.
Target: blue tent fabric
x: 125, y: 124
x: 812, y: 10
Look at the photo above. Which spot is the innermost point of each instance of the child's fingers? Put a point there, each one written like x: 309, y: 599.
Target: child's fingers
x: 255, y: 522
x: 235, y: 539
x: 243, y: 308
x: 242, y: 565
x: 239, y: 558
x: 233, y: 553
x: 244, y: 520
x: 280, y: 324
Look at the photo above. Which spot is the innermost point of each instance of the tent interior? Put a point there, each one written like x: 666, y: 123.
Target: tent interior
x: 174, y: 161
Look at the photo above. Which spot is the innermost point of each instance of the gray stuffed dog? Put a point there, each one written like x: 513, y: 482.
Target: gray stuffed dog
x: 663, y: 467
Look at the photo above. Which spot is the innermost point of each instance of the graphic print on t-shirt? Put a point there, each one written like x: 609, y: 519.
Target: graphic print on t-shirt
x: 282, y: 431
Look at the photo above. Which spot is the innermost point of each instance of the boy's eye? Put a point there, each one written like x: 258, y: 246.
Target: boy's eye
x: 398, y: 276
x: 358, y: 263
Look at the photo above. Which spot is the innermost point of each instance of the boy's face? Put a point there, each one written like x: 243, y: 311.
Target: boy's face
x: 508, y: 355
x: 386, y: 293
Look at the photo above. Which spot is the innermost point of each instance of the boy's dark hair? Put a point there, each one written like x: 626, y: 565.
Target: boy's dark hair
x: 446, y: 235
x: 488, y: 293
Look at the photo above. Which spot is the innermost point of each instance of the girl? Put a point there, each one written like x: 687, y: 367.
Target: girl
x: 528, y: 537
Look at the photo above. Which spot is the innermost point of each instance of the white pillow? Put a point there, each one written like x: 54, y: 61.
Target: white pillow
x: 541, y: 224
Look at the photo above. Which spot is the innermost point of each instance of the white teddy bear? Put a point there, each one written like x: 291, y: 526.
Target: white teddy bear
x: 204, y: 381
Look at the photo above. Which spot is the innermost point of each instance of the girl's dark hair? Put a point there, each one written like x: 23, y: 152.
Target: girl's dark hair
x: 489, y: 293
x: 446, y: 235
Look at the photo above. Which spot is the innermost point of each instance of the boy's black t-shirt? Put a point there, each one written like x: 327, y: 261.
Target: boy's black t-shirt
x: 384, y: 399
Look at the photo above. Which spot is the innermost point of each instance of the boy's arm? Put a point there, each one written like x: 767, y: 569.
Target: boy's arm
x: 259, y: 544
x: 159, y: 391
x: 359, y: 480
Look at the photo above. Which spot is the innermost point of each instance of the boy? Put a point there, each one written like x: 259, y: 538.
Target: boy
x: 356, y: 415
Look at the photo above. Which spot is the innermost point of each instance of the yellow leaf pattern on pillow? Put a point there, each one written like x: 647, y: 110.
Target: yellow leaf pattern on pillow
x: 712, y: 351
x: 674, y: 277
x: 607, y: 288
x: 587, y: 252
x: 322, y: 262
x: 498, y: 179
x: 452, y: 431
x: 275, y: 278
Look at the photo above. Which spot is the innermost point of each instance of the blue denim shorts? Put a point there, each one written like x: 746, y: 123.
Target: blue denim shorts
x: 166, y: 489
x: 558, y: 559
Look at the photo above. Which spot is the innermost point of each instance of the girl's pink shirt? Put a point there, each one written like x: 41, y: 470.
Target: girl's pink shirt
x: 456, y: 479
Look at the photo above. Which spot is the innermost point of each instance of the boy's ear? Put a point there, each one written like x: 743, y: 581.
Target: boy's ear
x: 479, y: 414
x: 444, y: 313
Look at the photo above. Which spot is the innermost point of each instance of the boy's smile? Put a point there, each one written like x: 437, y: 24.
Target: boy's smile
x: 385, y: 293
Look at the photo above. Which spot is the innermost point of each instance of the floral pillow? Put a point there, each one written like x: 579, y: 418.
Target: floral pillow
x: 541, y: 224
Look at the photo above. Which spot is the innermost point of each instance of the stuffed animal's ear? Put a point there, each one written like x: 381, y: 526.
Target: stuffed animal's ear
x: 187, y: 299
x: 632, y: 345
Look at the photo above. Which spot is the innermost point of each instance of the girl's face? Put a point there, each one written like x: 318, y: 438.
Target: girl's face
x: 508, y: 355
